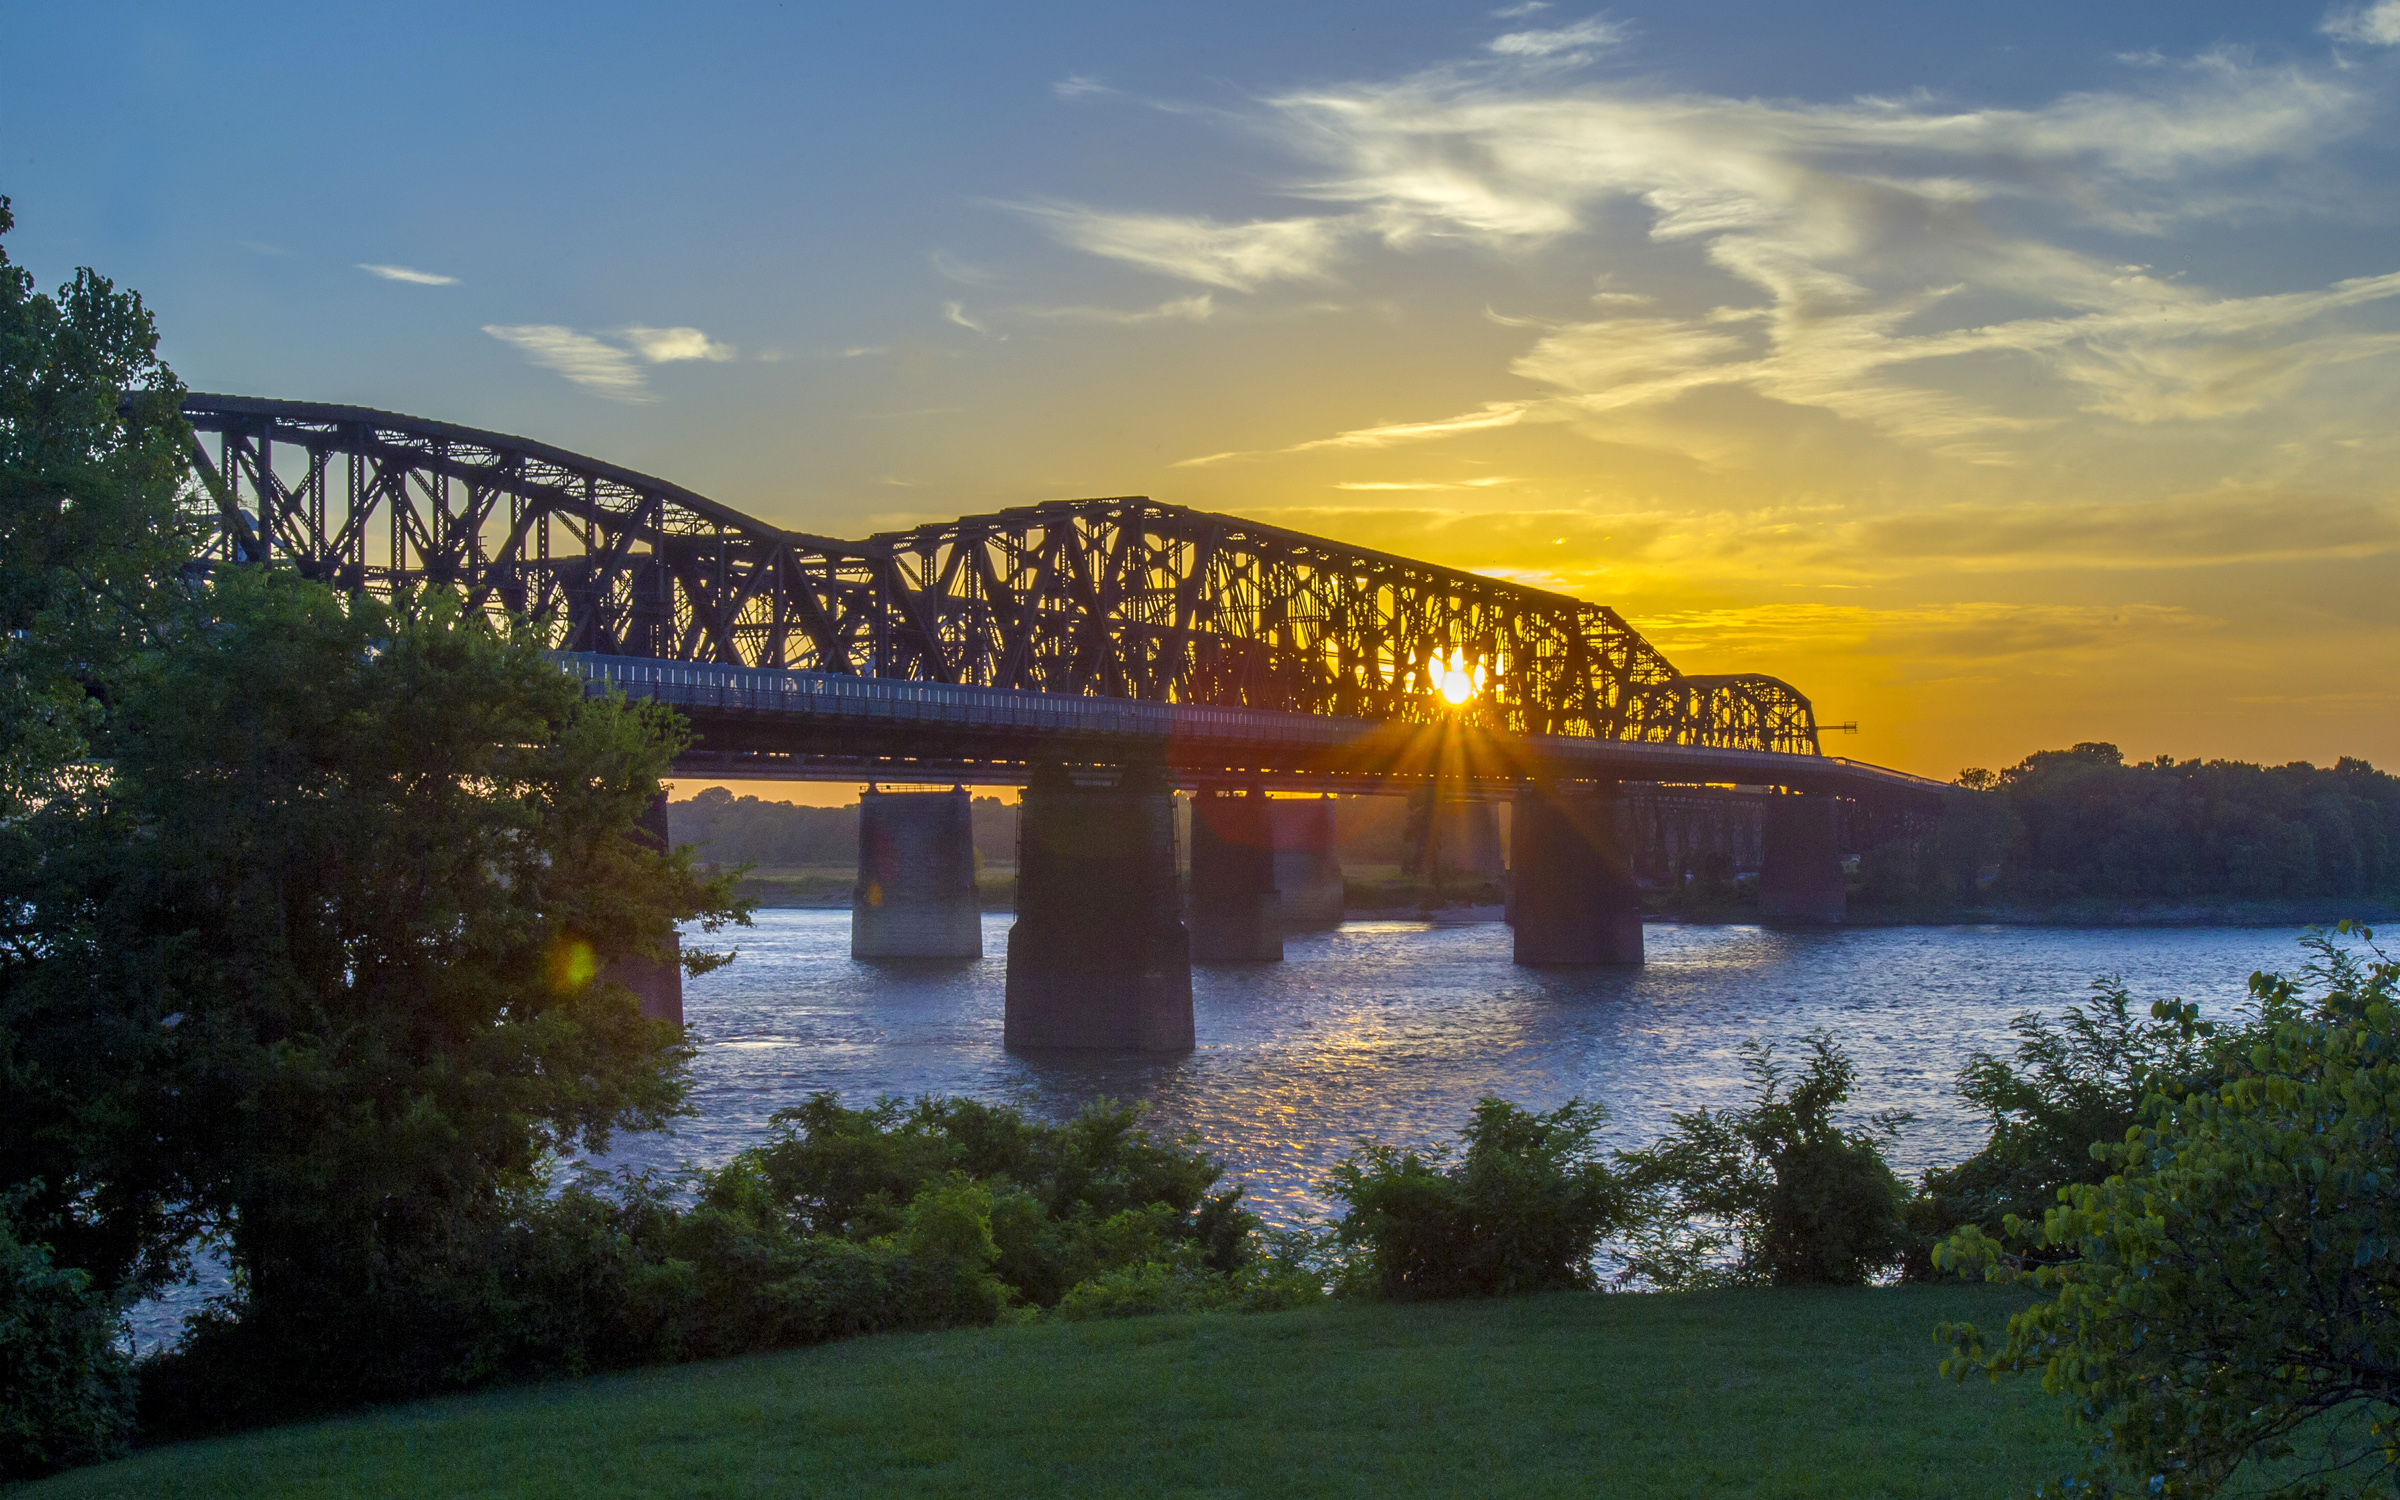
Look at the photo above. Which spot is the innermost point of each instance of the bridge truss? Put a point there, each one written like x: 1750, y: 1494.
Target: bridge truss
x: 1120, y: 598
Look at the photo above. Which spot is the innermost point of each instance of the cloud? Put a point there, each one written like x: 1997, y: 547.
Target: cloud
x: 1877, y: 279
x: 951, y: 268
x: 404, y: 273
x: 1239, y: 257
x: 956, y: 312
x: 1563, y: 41
x: 1493, y: 414
x: 667, y: 345
x: 1968, y: 631
x: 1194, y: 309
x: 1519, y: 12
x: 1487, y: 482
x: 2377, y: 25
x: 581, y: 358
x: 1079, y: 87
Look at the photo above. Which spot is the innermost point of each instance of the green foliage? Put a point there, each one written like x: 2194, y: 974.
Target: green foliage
x: 2088, y: 825
x: 2070, y: 1089
x: 935, y: 1214
x: 316, y: 962
x: 92, y: 444
x: 2232, y: 1292
x: 1521, y: 1209
x: 67, y: 1397
x: 1776, y: 1191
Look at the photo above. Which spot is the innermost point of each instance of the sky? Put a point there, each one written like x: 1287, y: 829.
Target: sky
x: 2002, y: 377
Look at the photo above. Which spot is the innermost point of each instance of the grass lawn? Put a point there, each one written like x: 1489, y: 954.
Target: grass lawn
x: 1749, y: 1393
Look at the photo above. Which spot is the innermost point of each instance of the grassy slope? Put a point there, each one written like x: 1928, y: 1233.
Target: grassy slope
x: 1733, y: 1393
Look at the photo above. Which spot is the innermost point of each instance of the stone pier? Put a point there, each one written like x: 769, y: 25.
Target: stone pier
x: 657, y: 984
x: 1572, y: 888
x: 1236, y: 915
x: 915, y: 896
x: 1099, y: 957
x: 1308, y: 863
x: 1800, y: 866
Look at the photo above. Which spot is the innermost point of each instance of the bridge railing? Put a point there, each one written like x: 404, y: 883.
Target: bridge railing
x: 767, y: 690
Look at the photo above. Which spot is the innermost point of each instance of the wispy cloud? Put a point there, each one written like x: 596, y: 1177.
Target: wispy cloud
x: 951, y: 268
x: 1493, y: 414
x: 2378, y: 25
x: 1196, y: 309
x: 1079, y: 87
x: 1579, y: 40
x: 956, y: 312
x: 1880, y: 284
x: 667, y: 345
x: 1238, y: 257
x: 408, y: 274
x: 1489, y: 481
x: 612, y: 369
x: 579, y: 357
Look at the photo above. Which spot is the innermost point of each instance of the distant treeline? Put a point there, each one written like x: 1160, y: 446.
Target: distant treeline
x: 2081, y: 824
x: 734, y: 830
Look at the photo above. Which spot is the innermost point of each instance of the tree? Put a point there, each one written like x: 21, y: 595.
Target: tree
x: 1521, y: 1209
x: 92, y: 460
x: 2229, y: 1298
x: 1775, y: 1192
x: 2071, y: 1089
x: 321, y: 960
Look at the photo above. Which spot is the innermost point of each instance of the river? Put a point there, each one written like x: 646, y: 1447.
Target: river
x: 1394, y: 1029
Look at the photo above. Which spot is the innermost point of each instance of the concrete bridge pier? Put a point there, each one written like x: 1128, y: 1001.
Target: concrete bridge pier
x: 1099, y: 957
x: 1308, y: 863
x: 1800, y: 861
x: 1572, y: 889
x: 915, y: 896
x: 1236, y: 915
x: 657, y: 984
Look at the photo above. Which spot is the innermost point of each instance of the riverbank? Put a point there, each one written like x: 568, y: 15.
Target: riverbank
x: 1380, y: 896
x: 1787, y: 1393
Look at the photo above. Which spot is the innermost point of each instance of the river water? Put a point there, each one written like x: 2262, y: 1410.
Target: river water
x: 1393, y: 1029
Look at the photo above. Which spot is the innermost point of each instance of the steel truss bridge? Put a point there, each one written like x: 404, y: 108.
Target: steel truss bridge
x: 1098, y: 628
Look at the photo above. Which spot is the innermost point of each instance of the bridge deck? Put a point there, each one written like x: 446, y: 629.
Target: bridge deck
x: 768, y: 724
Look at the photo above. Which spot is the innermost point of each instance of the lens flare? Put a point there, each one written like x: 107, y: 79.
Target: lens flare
x: 572, y: 965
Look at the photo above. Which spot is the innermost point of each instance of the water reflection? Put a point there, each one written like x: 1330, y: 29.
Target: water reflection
x: 1394, y: 1029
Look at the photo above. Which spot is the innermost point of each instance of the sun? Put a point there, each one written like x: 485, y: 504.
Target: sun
x: 1454, y: 682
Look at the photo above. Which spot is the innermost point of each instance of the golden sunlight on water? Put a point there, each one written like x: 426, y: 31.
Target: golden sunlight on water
x: 1394, y: 1029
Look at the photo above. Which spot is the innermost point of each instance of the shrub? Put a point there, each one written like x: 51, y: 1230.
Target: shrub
x: 2070, y: 1089
x: 1522, y: 1209
x: 2234, y: 1288
x: 1774, y: 1192
x: 67, y: 1395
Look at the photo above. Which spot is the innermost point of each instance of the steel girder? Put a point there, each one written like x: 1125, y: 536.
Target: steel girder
x: 1118, y: 597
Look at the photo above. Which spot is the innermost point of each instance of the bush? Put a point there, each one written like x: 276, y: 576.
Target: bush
x: 1775, y: 1192
x: 1522, y: 1209
x: 936, y: 1213
x: 2071, y: 1089
x: 67, y: 1395
x: 2234, y: 1288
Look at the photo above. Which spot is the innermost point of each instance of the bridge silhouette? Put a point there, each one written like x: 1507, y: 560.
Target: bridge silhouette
x: 1098, y: 652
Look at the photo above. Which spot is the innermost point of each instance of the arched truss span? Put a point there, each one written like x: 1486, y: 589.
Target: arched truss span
x: 1117, y: 597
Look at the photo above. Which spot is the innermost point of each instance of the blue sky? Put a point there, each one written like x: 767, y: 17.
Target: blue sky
x: 2003, y: 376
